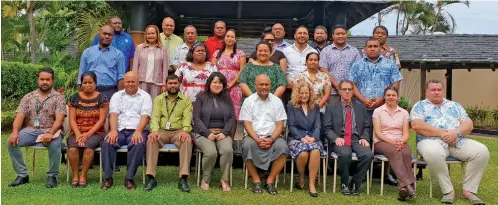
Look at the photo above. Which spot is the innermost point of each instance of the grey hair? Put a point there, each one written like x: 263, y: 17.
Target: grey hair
x: 321, y: 27
x: 434, y: 81
x: 346, y: 81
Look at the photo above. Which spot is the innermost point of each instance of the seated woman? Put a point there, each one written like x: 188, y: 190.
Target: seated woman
x: 87, y: 114
x: 303, y: 120
x: 391, y: 133
x: 214, y: 118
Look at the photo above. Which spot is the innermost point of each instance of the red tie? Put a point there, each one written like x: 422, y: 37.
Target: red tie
x: 348, y: 129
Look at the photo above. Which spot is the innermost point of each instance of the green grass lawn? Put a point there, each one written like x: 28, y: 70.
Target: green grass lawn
x: 167, y: 192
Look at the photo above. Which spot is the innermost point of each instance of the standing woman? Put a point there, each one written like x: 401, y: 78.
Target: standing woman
x: 194, y: 73
x: 214, y: 118
x: 318, y: 80
x: 276, y: 56
x: 151, y: 63
x: 262, y: 65
x: 303, y: 120
x: 392, y: 132
x: 230, y: 61
x: 87, y: 115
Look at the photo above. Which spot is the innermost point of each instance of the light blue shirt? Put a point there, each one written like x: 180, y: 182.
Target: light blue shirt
x: 281, y: 46
x: 123, y: 42
x: 108, y: 64
x: 447, y: 116
x: 372, y: 78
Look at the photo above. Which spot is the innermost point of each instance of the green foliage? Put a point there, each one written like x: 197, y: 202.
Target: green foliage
x: 403, y: 103
x: 482, y: 117
x: 476, y: 113
x: 7, y: 120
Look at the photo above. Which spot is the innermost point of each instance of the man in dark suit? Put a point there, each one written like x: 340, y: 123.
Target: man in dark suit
x: 347, y: 126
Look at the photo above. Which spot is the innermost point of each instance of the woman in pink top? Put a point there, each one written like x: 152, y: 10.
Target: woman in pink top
x: 151, y: 62
x: 230, y: 61
x: 391, y: 133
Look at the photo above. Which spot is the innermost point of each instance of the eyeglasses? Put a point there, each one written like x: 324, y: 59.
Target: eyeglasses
x: 347, y: 89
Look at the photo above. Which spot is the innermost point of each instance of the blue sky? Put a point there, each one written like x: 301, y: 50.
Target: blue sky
x: 480, y: 18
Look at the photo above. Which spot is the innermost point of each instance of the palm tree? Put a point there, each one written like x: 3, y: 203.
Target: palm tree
x: 443, y: 18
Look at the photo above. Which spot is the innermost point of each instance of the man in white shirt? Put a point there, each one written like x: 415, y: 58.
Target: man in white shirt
x: 180, y: 52
x: 130, y: 110
x: 263, y: 115
x: 296, y: 54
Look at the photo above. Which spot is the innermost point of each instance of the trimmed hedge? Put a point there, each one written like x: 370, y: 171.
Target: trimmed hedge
x: 19, y: 79
x: 7, y: 120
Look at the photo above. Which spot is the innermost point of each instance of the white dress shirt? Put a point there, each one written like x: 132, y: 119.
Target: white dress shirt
x: 296, y: 61
x: 263, y: 114
x: 130, y: 108
x: 179, y: 55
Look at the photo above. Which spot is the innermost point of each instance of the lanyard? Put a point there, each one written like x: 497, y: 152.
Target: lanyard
x: 38, y: 106
x: 173, y: 109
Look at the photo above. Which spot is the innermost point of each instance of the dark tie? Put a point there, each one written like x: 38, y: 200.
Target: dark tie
x: 348, y: 129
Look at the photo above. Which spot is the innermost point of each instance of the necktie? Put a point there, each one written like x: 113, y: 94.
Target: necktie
x: 348, y: 129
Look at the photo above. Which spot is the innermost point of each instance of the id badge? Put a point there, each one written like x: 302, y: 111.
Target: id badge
x: 168, y: 124
x: 37, y: 122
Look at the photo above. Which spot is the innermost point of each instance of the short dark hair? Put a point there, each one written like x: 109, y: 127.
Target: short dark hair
x: 338, y: 26
x: 91, y: 74
x: 267, y: 30
x: 391, y: 88
x: 47, y: 70
x: 302, y: 26
x: 380, y: 27
x: 265, y: 43
x: 172, y: 77
x: 321, y: 27
x: 371, y: 39
x: 346, y: 81
x: 210, y: 79
x: 113, y: 17
x: 190, y: 54
x: 434, y: 81
x: 312, y: 53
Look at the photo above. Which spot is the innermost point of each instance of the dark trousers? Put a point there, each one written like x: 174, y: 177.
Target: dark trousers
x: 107, y: 91
x: 135, y: 153
x: 344, y: 154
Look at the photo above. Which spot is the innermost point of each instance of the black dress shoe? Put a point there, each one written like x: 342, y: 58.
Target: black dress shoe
x: 402, y: 194
x: 313, y: 194
x: 183, y: 185
x: 271, y: 189
x: 345, y: 190
x: 130, y: 184
x: 389, y: 179
x: 355, y: 190
x: 51, y: 182
x: 107, y: 184
x: 19, y: 180
x: 151, y: 184
x: 256, y: 188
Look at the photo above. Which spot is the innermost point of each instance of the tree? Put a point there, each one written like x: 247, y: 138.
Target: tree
x: 443, y: 17
x: 32, y: 30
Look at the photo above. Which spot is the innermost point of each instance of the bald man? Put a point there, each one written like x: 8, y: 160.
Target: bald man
x: 180, y: 52
x: 279, y: 33
x: 130, y: 110
x: 215, y: 42
x: 263, y: 115
x: 121, y: 40
x: 168, y: 38
x: 106, y: 61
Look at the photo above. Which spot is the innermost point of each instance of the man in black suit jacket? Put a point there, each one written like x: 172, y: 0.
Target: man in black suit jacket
x: 338, y: 125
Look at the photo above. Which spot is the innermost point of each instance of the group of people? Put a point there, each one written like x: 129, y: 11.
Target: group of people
x: 329, y: 95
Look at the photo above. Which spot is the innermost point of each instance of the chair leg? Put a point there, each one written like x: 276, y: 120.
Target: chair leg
x: 430, y: 186
x: 143, y: 169
x: 198, y: 168
x: 285, y: 171
x: 292, y: 174
x: 67, y: 170
x: 368, y: 183
x: 100, y: 168
x: 371, y: 172
x: 33, y: 162
x: 245, y: 178
x: 276, y: 181
x: 382, y: 178
x: 319, y: 176
x: 231, y: 173
x: 324, y: 171
x: 335, y: 175
x: 414, y: 174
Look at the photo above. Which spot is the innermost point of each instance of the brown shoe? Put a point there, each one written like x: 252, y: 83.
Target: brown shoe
x: 130, y: 184
x: 107, y: 184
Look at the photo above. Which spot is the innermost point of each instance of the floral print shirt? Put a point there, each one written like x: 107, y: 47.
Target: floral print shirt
x: 193, y: 81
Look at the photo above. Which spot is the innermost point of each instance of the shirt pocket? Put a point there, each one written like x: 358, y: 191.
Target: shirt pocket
x: 111, y: 64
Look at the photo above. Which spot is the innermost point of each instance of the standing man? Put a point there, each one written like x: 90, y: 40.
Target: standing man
x: 168, y: 38
x: 337, y: 59
x: 106, y: 61
x: 263, y: 115
x: 121, y: 40
x: 380, y: 33
x: 320, y: 38
x: 347, y: 127
x: 171, y: 122
x: 44, y: 111
x: 442, y: 126
x: 180, y: 52
x: 279, y: 33
x: 372, y: 74
x: 130, y: 110
x: 215, y: 42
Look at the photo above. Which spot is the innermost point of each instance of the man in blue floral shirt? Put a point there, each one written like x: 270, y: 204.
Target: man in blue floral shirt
x: 441, y: 127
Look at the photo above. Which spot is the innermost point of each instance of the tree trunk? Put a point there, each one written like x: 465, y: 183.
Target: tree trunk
x: 32, y: 30
x: 397, y: 23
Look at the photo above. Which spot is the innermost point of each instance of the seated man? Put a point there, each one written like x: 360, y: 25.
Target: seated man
x: 347, y: 126
x: 130, y: 111
x: 171, y: 122
x: 263, y: 115
x: 441, y: 127
x: 44, y: 111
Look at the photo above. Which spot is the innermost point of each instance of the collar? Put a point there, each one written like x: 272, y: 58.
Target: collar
x: 344, y: 104
x: 347, y: 46
x: 184, y: 45
x: 213, y: 38
x: 283, y: 44
x: 139, y: 93
x: 368, y: 59
x: 168, y: 37
x: 384, y: 108
x: 147, y: 45
x: 52, y: 92
x: 444, y: 102
x: 385, y: 47
x: 103, y: 49
x: 267, y: 98
x: 315, y: 45
x: 305, y: 49
x: 179, y: 95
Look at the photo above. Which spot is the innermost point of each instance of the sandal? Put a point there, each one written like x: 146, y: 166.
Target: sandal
x: 257, y: 188
x: 74, y: 183
x: 83, y: 184
x: 271, y: 189
x: 225, y: 186
x: 473, y: 199
x: 204, y: 185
